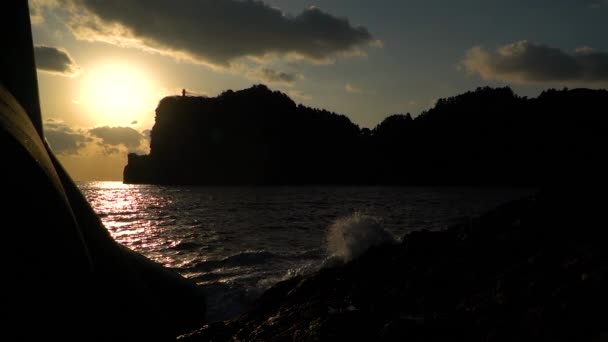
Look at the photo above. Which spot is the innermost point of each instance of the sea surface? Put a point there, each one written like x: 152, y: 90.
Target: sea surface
x: 235, y: 242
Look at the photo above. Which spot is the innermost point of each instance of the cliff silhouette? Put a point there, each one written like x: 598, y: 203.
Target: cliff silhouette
x: 489, y: 136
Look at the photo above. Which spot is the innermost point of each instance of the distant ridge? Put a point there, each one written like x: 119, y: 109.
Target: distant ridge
x: 489, y: 136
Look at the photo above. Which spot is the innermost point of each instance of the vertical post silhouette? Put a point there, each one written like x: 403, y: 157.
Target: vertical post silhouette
x: 17, y: 59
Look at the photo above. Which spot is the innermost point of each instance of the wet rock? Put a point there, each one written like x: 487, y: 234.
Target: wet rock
x: 518, y: 273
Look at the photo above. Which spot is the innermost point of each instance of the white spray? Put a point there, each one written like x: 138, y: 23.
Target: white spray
x: 350, y: 236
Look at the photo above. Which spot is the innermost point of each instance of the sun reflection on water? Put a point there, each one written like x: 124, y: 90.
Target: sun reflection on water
x: 126, y: 212
x: 235, y: 242
x: 216, y: 233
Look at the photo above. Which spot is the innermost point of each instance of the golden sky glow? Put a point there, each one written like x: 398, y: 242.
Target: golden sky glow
x: 107, y: 64
x: 116, y: 91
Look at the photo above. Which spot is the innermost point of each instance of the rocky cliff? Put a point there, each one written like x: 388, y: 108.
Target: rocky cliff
x: 532, y: 270
x: 484, y: 137
x: 253, y: 136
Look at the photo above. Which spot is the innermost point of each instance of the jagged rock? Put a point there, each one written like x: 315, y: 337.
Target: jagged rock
x: 518, y: 273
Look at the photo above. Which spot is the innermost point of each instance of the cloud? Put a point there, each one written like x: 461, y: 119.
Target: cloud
x: 598, y: 4
x: 55, y: 60
x: 217, y: 32
x: 525, y: 62
x: 274, y: 76
x: 36, y: 17
x: 114, y: 137
x: 350, y: 88
x: 37, y: 10
x: 63, y: 139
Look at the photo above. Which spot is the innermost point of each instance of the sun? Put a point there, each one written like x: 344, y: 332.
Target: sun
x: 118, y: 92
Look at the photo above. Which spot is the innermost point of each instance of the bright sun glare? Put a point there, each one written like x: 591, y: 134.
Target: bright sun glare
x: 118, y: 92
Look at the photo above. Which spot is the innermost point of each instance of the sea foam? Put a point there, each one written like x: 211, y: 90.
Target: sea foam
x: 350, y: 236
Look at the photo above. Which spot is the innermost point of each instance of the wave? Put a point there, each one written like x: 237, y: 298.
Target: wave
x: 234, y: 282
x: 240, y: 259
x: 350, y: 236
x: 186, y: 246
x: 249, y: 258
x: 209, y: 277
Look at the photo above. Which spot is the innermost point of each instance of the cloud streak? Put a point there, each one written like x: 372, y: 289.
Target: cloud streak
x: 55, y: 60
x: 526, y: 62
x: 217, y: 32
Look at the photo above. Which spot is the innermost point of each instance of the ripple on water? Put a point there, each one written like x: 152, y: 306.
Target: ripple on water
x: 237, y: 241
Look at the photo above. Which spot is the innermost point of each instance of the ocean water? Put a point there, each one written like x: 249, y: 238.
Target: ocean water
x: 235, y: 242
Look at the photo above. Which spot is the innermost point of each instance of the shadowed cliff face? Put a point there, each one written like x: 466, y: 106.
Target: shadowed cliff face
x: 253, y: 136
x: 486, y: 137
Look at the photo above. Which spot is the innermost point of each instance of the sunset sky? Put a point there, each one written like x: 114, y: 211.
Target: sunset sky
x: 104, y: 64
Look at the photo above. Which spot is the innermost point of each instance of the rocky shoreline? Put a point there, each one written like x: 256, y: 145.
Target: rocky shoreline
x: 533, y: 269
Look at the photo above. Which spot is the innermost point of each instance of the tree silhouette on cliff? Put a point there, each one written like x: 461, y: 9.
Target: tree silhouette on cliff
x: 489, y: 136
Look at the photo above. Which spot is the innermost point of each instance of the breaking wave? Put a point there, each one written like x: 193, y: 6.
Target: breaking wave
x: 350, y: 236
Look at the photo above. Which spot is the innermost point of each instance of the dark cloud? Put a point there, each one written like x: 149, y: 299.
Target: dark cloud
x: 66, y: 140
x: 113, y: 137
x: 55, y: 60
x: 63, y: 139
x: 217, y: 31
x: 598, y: 3
x: 275, y: 76
x: 526, y: 62
x: 110, y: 149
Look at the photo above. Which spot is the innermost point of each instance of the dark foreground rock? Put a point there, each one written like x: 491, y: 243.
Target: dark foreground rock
x: 63, y: 276
x: 532, y: 270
